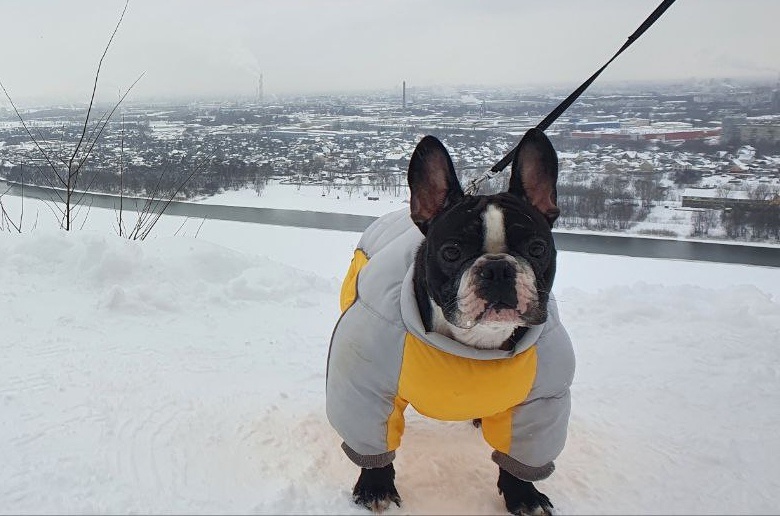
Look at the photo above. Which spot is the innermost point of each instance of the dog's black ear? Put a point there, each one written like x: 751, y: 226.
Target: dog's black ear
x: 535, y: 173
x: 433, y: 185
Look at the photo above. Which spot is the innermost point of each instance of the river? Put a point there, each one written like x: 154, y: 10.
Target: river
x: 617, y: 244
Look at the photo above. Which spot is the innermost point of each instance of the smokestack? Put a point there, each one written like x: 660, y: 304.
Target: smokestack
x: 260, y: 89
x: 404, y: 97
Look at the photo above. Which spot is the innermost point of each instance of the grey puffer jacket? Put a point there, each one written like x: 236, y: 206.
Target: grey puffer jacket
x: 381, y: 359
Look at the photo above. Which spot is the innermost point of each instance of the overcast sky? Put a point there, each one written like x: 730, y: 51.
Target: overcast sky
x: 220, y: 47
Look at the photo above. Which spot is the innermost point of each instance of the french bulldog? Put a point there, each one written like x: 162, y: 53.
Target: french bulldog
x: 476, y: 296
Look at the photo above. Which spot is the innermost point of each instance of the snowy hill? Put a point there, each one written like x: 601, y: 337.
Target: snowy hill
x: 186, y: 375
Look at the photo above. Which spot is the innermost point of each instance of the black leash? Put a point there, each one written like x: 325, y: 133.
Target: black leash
x: 563, y: 106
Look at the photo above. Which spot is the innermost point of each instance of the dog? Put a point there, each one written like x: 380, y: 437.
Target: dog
x: 447, y: 306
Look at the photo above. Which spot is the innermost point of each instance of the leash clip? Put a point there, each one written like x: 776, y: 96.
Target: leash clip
x: 473, y: 186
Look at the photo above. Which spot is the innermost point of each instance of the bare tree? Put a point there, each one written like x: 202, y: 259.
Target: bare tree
x: 702, y: 221
x: 261, y: 180
x: 647, y: 190
x: 723, y: 191
x: 6, y: 222
x: 763, y: 192
x: 353, y: 185
x: 168, y: 185
x: 120, y: 222
x: 152, y: 208
x: 66, y: 169
x: 327, y: 185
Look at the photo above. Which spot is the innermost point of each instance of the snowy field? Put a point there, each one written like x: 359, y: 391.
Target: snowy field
x: 186, y: 375
x: 313, y: 198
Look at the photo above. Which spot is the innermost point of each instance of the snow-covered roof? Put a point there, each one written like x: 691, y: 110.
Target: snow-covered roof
x: 715, y: 193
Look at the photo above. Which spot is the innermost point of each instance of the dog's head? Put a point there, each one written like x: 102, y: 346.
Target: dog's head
x: 486, y: 266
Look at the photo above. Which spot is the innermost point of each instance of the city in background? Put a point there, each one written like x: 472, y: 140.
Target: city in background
x: 705, y: 152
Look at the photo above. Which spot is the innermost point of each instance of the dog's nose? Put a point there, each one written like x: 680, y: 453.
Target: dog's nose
x: 496, y: 270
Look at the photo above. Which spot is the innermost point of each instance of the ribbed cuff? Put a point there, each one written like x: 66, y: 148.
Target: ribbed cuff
x: 519, y: 470
x: 369, y: 461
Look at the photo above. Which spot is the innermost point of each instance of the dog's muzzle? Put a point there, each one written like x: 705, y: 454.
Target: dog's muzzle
x: 497, y: 288
x: 496, y: 282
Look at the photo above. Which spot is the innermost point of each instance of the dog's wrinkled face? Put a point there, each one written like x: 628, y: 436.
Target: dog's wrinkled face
x: 487, y: 264
x: 488, y: 267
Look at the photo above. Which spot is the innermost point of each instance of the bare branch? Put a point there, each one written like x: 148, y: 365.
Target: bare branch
x: 48, y: 181
x: 138, y: 221
x: 147, y: 210
x: 51, y: 203
x: 200, y: 226
x: 182, y: 225
x: 21, y: 209
x: 6, y: 191
x: 5, y: 219
x: 121, y: 175
x: 89, y: 209
x: 29, y: 133
x: 195, y: 169
x: 94, y: 88
x: 91, y: 144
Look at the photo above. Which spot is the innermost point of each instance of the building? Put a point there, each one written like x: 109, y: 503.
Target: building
x: 723, y: 199
x: 753, y: 130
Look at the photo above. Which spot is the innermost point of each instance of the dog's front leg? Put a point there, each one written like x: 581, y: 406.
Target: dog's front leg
x: 521, y: 497
x: 375, y: 488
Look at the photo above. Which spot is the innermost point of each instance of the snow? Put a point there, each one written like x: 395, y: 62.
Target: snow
x: 185, y: 374
x: 313, y: 198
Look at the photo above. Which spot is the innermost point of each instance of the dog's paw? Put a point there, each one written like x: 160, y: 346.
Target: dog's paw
x: 521, y: 497
x: 375, y: 489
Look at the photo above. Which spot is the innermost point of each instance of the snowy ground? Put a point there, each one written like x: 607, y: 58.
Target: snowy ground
x: 313, y: 198
x: 186, y: 375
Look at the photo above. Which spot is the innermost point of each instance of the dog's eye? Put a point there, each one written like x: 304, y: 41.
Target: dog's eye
x: 537, y: 248
x: 450, y: 253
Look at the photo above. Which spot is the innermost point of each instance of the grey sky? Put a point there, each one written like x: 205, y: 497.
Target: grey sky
x: 219, y: 47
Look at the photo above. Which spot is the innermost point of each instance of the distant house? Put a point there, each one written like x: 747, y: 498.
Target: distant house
x: 737, y: 167
x: 679, y: 165
x: 647, y: 166
x: 396, y: 159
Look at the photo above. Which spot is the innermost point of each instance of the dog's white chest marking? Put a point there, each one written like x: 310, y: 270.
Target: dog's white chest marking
x: 495, y: 235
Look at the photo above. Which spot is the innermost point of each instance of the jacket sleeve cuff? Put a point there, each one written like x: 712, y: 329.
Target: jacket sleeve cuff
x: 519, y: 470
x: 369, y: 461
